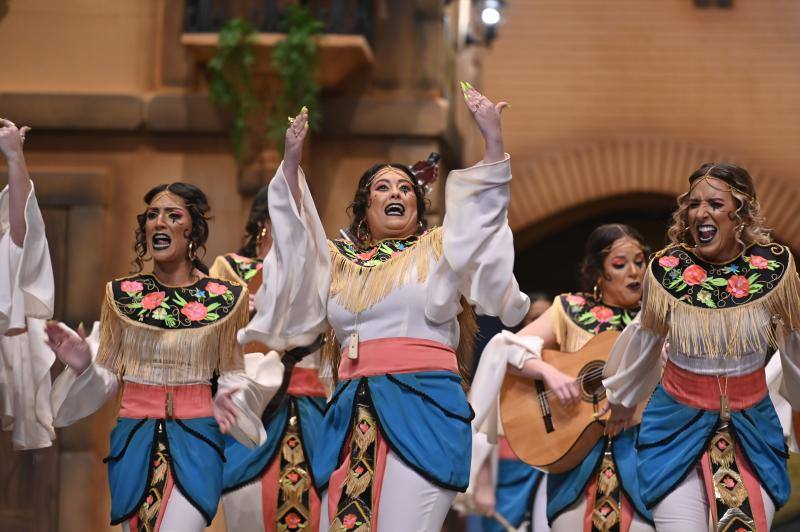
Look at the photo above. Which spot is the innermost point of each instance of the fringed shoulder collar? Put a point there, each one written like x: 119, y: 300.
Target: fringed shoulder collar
x: 748, y: 278
x: 172, y: 334
x: 143, y: 299
x: 593, y: 316
x: 361, y: 278
x: 244, y: 268
x: 722, y: 310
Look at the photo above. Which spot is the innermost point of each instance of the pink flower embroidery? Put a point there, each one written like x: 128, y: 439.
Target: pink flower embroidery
x: 216, y: 288
x: 668, y: 261
x: 573, y: 299
x: 131, y: 287
x: 694, y: 274
x: 293, y: 521
x: 349, y: 521
x: 153, y: 300
x: 738, y: 286
x: 367, y: 254
x: 259, y: 265
x: 601, y: 313
x: 194, y: 311
x: 758, y: 262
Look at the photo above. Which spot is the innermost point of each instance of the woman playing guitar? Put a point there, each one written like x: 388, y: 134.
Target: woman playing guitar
x: 601, y: 493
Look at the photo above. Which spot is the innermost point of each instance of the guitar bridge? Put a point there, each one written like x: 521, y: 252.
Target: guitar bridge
x: 544, y: 406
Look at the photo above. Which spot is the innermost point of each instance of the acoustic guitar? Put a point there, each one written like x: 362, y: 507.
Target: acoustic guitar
x: 540, y: 430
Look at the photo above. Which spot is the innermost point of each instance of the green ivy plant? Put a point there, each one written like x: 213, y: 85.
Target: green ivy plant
x: 296, y: 59
x: 232, y: 79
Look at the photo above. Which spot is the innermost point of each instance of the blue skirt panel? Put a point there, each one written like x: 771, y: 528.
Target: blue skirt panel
x: 424, y: 417
x: 195, y: 458
x: 673, y: 437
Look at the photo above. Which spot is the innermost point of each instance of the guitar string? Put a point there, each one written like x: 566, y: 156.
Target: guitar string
x: 588, y: 375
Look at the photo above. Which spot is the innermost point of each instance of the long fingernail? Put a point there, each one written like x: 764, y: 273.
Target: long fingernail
x: 306, y: 126
x: 469, y: 85
x: 304, y: 109
x: 463, y: 86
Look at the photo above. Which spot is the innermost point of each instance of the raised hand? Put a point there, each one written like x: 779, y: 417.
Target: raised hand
x: 487, y: 116
x: 225, y: 410
x: 70, y: 348
x: 293, y: 150
x: 11, y: 139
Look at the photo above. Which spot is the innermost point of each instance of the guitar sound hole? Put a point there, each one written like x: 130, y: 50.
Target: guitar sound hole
x: 590, y: 379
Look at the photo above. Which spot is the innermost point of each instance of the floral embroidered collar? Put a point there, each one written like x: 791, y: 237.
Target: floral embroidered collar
x: 245, y: 268
x: 593, y: 316
x: 379, y: 253
x: 142, y: 298
x: 748, y: 278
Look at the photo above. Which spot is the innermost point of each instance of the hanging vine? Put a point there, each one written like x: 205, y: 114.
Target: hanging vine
x: 296, y: 59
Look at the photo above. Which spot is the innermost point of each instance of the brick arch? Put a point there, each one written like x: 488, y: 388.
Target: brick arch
x: 547, y: 185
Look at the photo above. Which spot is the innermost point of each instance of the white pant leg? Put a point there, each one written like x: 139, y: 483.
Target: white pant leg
x: 686, y: 507
x: 571, y: 519
x: 243, y: 509
x: 324, y: 522
x: 539, y: 510
x: 181, y: 516
x: 410, y: 502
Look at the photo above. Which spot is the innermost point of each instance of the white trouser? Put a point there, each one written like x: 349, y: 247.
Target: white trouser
x: 539, y: 510
x: 408, y: 501
x: 686, y: 507
x: 243, y: 508
x: 572, y: 519
x: 181, y: 516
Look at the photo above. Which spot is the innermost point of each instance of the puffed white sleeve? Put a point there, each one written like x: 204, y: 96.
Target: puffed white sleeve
x: 774, y: 373
x: 503, y: 349
x: 789, y: 347
x: 255, y: 387
x: 291, y: 304
x: 634, y: 366
x: 478, y: 247
x: 26, y: 274
x: 76, y: 396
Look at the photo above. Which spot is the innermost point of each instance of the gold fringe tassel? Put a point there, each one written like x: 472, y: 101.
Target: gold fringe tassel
x: 726, y: 332
x: 357, y: 288
x: 131, y: 348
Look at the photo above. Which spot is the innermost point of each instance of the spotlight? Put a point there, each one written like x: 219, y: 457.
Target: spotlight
x: 490, y: 15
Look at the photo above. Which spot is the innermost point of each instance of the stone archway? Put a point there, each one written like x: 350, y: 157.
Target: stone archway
x: 556, y: 182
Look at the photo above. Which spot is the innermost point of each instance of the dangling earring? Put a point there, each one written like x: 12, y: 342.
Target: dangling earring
x: 192, y: 250
x: 261, y: 235
x: 740, y: 229
x: 360, y: 231
x: 597, y: 292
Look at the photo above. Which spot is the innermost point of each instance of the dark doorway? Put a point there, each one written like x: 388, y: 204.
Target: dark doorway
x: 549, y: 254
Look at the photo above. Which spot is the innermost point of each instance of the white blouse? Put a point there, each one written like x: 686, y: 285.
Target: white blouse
x: 477, y: 262
x: 26, y: 299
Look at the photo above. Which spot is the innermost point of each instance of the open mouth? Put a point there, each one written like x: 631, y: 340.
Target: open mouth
x: 394, y: 209
x: 706, y: 233
x: 634, y: 286
x: 161, y: 241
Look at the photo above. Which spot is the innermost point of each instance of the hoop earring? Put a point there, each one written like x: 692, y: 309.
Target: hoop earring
x: 261, y: 235
x: 360, y: 230
x: 192, y: 247
x: 597, y: 292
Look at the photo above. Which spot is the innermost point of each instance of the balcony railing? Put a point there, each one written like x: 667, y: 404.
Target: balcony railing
x: 337, y: 16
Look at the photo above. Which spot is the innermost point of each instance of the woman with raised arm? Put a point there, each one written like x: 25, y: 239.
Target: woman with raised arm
x: 269, y: 487
x: 601, y: 492
x: 163, y: 335
x: 394, y: 445
x: 26, y: 298
x: 722, y: 296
